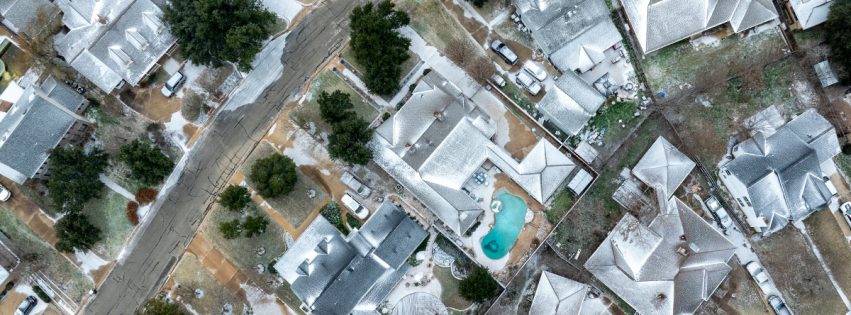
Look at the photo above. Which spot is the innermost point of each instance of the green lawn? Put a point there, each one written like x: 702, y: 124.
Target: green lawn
x: 449, y: 295
x: 109, y: 215
x: 329, y: 82
x: 61, y: 271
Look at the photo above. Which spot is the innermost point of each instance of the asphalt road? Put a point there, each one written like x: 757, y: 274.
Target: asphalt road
x: 235, y: 131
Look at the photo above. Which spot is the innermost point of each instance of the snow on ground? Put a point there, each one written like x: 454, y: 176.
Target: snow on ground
x: 192, y: 73
x: 89, y: 261
x: 261, y: 303
x: 267, y: 69
x: 305, y: 150
x: 805, y: 93
x: 705, y: 41
x: 174, y: 130
x: 143, y: 210
x: 27, y: 290
x: 171, y: 66
x: 116, y: 187
x: 285, y: 9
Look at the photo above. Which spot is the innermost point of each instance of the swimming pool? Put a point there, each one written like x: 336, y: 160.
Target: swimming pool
x: 509, y: 221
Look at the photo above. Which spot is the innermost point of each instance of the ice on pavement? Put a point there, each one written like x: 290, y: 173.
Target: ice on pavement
x: 267, y: 68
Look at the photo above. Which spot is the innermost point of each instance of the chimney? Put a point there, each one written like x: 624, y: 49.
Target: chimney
x: 439, y: 116
x: 101, y: 19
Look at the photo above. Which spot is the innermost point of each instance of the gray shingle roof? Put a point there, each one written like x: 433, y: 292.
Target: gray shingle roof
x: 663, y: 166
x: 335, y: 275
x: 556, y: 295
x: 18, y: 14
x: 659, y: 23
x: 571, y: 103
x: 33, y: 127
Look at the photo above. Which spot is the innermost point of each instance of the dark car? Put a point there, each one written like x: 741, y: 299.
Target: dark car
x: 503, y: 51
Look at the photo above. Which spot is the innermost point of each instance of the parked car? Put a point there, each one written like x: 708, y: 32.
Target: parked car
x: 355, y: 184
x: 27, y: 306
x: 5, y: 194
x: 173, y: 83
x: 778, y: 305
x: 720, y: 214
x: 497, y: 80
x: 528, y: 83
x: 354, y: 206
x: 504, y: 51
x: 535, y: 70
x: 757, y: 272
x: 846, y: 213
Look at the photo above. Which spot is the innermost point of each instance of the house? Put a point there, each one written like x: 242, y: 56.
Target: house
x: 557, y: 295
x: 439, y: 139
x: 574, y: 34
x: 333, y: 274
x: 825, y: 74
x: 40, y: 119
x: 20, y: 15
x: 663, y: 167
x: 571, y: 103
x: 113, y: 44
x: 805, y: 14
x: 660, y: 23
x: 782, y: 175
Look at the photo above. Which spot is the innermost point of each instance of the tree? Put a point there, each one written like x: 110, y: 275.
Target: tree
x: 378, y: 46
x: 191, y: 108
x: 273, y: 176
x: 230, y: 229
x: 460, y: 51
x: 480, y: 69
x: 160, y: 306
x: 234, y: 198
x: 75, y: 232
x: 478, y: 3
x: 838, y: 33
x: 335, y: 107
x: 147, y: 163
x: 74, y: 177
x: 255, y: 225
x: 348, y: 141
x: 211, y: 32
x: 479, y: 286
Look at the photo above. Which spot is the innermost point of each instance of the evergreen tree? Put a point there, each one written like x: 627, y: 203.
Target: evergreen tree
x: 378, y: 45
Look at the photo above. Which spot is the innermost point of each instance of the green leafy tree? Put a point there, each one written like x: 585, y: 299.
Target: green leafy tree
x: 479, y: 286
x: 76, y: 232
x: 349, y: 141
x: 838, y: 32
x: 234, y: 198
x: 478, y: 3
x: 160, y: 306
x: 147, y: 163
x: 335, y: 107
x: 378, y: 45
x: 230, y: 229
x: 255, y: 225
x: 211, y: 32
x: 273, y: 176
x: 74, y: 177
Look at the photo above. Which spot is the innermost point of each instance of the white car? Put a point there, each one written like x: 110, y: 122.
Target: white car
x: 723, y: 217
x: 498, y: 80
x: 504, y: 51
x: 536, y: 70
x: 757, y: 272
x: 528, y: 83
x: 5, y: 194
x: 355, y: 184
x: 27, y: 306
x: 172, y: 84
x: 845, y: 210
x: 354, y: 206
x: 778, y: 305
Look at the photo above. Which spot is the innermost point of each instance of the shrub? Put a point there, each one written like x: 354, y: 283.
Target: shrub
x: 132, y: 215
x: 191, y: 108
x: 41, y: 294
x: 479, y: 286
x: 331, y: 212
x: 230, y: 229
x: 273, y: 176
x: 147, y: 163
x: 146, y: 195
x: 846, y: 149
x: 160, y: 306
x: 271, y: 267
x: 385, y: 116
x: 76, y: 232
x: 234, y: 198
x: 255, y: 225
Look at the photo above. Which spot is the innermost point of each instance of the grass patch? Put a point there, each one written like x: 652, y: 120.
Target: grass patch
x: 828, y: 237
x: 108, y: 214
x: 435, y: 24
x: 450, y: 296
x: 560, y: 205
x: 55, y: 266
x: 191, y: 275
x: 329, y: 81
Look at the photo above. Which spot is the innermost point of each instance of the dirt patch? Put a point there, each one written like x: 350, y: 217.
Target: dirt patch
x: 151, y: 103
x: 736, y: 295
x: 522, y: 138
x: 826, y: 233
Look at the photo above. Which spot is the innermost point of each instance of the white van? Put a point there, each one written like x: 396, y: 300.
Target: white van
x: 172, y: 84
x: 527, y: 82
x: 354, y: 206
x: 537, y: 71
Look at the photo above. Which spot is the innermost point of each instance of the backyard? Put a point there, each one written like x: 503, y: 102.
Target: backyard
x: 435, y: 24
x: 328, y: 81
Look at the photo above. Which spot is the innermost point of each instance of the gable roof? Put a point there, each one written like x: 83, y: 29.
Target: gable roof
x: 19, y: 14
x: 659, y: 23
x: 571, y: 103
x: 557, y: 295
x: 663, y: 166
x: 811, y: 12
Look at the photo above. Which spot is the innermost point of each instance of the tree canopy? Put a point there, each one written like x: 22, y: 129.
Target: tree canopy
x: 838, y: 30
x: 234, y: 198
x: 335, y: 107
x: 147, y: 163
x: 230, y: 229
x: 160, y: 306
x: 349, y: 141
x: 378, y: 46
x: 479, y: 286
x: 255, y: 225
x: 76, y: 232
x: 273, y: 176
x: 74, y: 177
x: 211, y: 32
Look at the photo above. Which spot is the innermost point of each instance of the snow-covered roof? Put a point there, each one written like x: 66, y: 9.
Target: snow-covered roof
x: 659, y: 23
x: 573, y: 33
x: 811, y: 12
x: 670, y: 266
x: 336, y: 275
x: 782, y: 171
x: 108, y: 44
x: 825, y: 73
x: 571, y: 103
x: 420, y: 303
x: 663, y: 166
x: 18, y: 14
x: 557, y: 295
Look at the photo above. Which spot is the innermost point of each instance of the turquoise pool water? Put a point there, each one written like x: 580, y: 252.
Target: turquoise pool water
x: 509, y: 221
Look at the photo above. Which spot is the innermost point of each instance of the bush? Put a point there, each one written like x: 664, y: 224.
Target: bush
x: 385, y: 116
x: 271, y: 267
x: 234, y: 198
x: 41, y: 294
x: 147, y: 163
x: 191, y: 108
x: 838, y: 33
x: 74, y: 177
x: 146, y: 195
x: 255, y: 225
x: 160, y: 306
x: 846, y: 149
x: 273, y: 176
x: 331, y: 212
x: 230, y: 229
x: 479, y: 286
x: 132, y: 215
x: 76, y: 232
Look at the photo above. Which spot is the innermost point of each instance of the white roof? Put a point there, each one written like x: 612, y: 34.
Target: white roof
x: 571, y: 103
x: 663, y: 166
x: 557, y: 295
x: 811, y: 12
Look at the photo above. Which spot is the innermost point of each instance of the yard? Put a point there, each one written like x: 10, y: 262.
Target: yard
x: 738, y: 294
x: 200, y: 291
x: 47, y: 260
x: 797, y: 273
x: 434, y: 23
x: 449, y: 295
x: 828, y: 237
x: 108, y: 214
x: 328, y: 81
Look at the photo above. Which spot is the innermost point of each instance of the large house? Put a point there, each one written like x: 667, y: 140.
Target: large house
x: 782, y: 175
x: 439, y: 139
x: 34, y: 122
x: 674, y: 263
x: 659, y: 23
x: 115, y: 43
x: 557, y: 295
x: 333, y: 274
x: 571, y: 103
x: 808, y: 13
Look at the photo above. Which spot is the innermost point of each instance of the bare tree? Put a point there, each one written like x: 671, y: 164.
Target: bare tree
x: 480, y: 69
x: 40, y: 32
x: 460, y: 51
